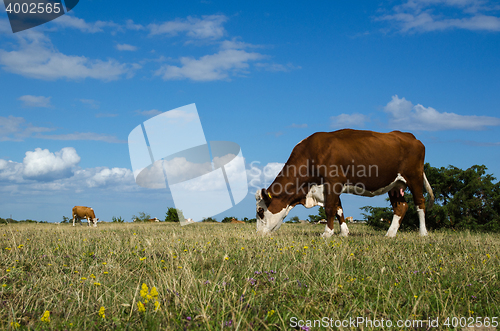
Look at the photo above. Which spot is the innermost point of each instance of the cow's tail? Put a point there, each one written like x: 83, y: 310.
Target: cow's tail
x: 428, y: 188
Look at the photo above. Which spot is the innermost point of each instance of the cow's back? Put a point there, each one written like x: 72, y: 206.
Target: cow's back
x: 82, y: 212
x: 346, y: 152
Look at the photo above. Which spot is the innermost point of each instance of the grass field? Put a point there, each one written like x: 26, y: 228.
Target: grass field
x: 224, y: 276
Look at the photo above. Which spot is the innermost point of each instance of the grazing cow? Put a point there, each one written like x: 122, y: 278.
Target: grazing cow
x: 80, y: 212
x: 235, y: 221
x: 153, y: 220
x: 327, y: 164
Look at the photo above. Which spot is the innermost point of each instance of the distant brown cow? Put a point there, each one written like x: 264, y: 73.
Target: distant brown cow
x: 235, y: 221
x: 153, y: 220
x: 80, y: 212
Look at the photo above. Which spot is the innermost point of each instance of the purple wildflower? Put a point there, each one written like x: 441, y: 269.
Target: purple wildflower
x: 188, y: 318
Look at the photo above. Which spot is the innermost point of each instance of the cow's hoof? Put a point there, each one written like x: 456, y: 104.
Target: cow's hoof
x: 326, y: 234
x: 423, y: 233
x: 344, y: 230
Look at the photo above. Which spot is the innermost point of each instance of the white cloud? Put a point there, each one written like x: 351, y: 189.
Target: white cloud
x: 36, y: 57
x: 210, y: 67
x: 16, y: 129
x: 151, y: 113
x: 42, y: 165
x: 349, y: 120
x: 261, y: 177
x: 70, y: 21
x: 43, y: 172
x: 132, y: 26
x: 208, y: 27
x: 34, y: 101
x: 105, y: 115
x: 83, y: 136
x: 438, y: 15
x: 304, y: 125
x: 406, y: 116
x: 125, y: 47
x: 91, y: 103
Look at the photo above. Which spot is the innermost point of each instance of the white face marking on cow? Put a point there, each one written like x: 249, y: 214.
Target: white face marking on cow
x: 399, y: 183
x: 421, y: 218
x: 328, y: 232
x: 270, y: 222
x: 344, y: 230
x: 393, y: 229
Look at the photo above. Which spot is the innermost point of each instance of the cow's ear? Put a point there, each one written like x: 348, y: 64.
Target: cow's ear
x: 266, y: 196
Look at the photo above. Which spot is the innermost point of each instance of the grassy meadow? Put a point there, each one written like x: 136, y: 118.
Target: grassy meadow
x: 223, y: 276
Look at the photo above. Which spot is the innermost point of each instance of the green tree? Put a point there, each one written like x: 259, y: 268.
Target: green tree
x: 294, y: 219
x: 209, y: 220
x: 174, y: 215
x: 143, y: 217
x: 228, y: 219
x: 117, y: 220
x: 321, y: 215
x: 65, y: 219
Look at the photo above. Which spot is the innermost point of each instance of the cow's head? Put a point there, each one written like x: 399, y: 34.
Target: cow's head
x: 268, y: 221
x: 94, y: 220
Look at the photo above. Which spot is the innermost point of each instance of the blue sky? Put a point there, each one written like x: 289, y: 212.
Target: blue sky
x: 261, y: 74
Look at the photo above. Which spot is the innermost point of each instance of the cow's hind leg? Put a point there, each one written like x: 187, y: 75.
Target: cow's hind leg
x: 417, y: 189
x: 399, y: 206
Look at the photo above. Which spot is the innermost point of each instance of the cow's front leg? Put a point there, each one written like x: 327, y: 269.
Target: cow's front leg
x: 332, y: 202
x: 344, y: 230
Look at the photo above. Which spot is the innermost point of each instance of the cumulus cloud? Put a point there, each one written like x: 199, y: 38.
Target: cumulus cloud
x: 34, y: 101
x: 210, y: 67
x: 125, y: 47
x: 262, y: 176
x: 304, y: 125
x: 149, y: 113
x: 16, y: 129
x: 42, y: 165
x: 70, y: 21
x: 90, y: 102
x: 439, y: 15
x: 83, y: 136
x: 44, y: 171
x: 404, y: 115
x: 36, y: 57
x: 208, y: 27
x: 348, y: 120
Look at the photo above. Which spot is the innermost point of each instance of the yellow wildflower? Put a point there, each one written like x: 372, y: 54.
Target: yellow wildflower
x: 15, y: 325
x: 97, y: 284
x: 101, y: 312
x: 144, y: 290
x: 157, y: 305
x: 270, y: 313
x: 140, y: 307
x: 45, y: 317
x: 142, y: 258
x: 154, y: 292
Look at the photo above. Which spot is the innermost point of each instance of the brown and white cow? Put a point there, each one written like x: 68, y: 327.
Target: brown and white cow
x: 327, y: 164
x: 80, y: 212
